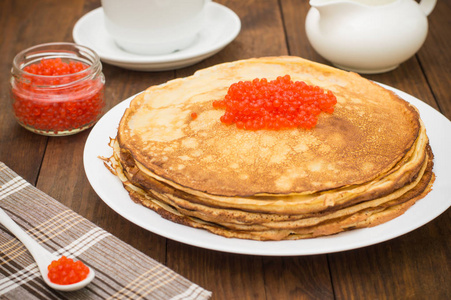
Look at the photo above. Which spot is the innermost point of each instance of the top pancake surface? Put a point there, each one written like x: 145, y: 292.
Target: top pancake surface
x: 369, y: 132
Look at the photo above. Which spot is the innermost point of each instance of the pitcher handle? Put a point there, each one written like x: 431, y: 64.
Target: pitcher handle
x: 427, y: 6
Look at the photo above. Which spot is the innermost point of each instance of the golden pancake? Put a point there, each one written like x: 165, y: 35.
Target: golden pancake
x: 361, y: 217
x: 380, y: 210
x: 362, y: 139
x: 415, y: 189
x: 362, y: 165
x: 295, y: 204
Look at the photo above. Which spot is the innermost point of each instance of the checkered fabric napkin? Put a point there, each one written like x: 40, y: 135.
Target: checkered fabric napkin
x: 122, y: 272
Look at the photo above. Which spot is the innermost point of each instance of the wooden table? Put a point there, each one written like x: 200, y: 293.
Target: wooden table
x: 414, y: 266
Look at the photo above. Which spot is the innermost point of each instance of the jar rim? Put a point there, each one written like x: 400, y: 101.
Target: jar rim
x: 55, y: 50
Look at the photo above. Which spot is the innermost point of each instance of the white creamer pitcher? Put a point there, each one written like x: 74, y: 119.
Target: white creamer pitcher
x: 368, y: 36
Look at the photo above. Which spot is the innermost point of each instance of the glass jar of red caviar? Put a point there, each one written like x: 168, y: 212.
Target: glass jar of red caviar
x: 57, y: 88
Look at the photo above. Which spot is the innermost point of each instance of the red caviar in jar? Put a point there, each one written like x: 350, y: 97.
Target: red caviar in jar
x: 66, y: 271
x: 54, y: 67
x: 274, y: 105
x: 57, y: 95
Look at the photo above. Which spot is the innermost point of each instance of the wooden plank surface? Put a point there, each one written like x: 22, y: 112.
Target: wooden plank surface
x: 405, y: 262
x: 414, y: 266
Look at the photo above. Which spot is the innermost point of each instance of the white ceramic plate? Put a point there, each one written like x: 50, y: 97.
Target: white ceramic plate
x: 110, y: 190
x: 222, y: 27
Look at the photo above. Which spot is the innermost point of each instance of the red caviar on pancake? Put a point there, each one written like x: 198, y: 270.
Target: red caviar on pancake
x: 66, y: 271
x: 274, y: 105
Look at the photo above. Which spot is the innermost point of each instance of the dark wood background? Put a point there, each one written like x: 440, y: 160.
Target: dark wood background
x: 414, y: 266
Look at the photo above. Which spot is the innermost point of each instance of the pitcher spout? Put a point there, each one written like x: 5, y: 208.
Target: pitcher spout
x: 329, y: 7
x: 346, y: 6
x: 317, y: 3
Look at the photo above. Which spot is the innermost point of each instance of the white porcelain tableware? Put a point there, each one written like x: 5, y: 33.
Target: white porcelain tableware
x: 42, y: 257
x: 367, y: 36
x: 112, y: 192
x: 221, y: 27
x: 152, y: 27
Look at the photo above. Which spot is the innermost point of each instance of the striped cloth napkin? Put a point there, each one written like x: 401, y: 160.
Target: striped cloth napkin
x: 122, y: 272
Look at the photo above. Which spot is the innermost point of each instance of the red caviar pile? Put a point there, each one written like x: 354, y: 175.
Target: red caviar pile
x: 277, y: 104
x: 59, y: 99
x: 55, y: 66
x: 66, y: 271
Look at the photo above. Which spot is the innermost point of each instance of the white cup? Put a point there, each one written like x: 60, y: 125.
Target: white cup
x: 154, y: 27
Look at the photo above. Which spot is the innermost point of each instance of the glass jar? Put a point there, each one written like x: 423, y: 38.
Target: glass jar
x: 57, y: 88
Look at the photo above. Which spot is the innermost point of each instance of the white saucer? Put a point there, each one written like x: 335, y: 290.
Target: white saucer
x: 222, y: 26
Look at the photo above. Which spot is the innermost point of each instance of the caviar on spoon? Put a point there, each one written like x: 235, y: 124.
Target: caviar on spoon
x: 78, y: 275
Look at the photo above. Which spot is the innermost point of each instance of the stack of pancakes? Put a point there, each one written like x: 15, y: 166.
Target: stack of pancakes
x: 360, y: 166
